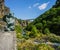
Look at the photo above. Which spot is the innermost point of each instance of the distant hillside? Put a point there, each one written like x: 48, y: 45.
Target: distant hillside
x: 49, y: 22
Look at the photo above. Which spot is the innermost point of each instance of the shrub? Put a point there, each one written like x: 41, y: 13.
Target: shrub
x: 58, y: 48
x: 18, y: 31
x: 32, y: 46
x: 53, y: 38
x: 44, y: 47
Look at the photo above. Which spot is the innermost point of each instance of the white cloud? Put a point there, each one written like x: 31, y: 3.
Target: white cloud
x: 30, y: 7
x: 43, y: 6
x: 36, y: 4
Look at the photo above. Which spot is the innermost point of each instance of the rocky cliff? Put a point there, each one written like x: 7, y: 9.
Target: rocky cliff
x: 3, y: 9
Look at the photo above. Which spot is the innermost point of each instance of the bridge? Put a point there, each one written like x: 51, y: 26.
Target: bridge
x: 29, y: 20
x: 26, y: 22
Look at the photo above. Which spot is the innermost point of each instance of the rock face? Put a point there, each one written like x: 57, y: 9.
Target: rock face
x: 3, y: 9
x: 7, y: 41
x: 2, y: 25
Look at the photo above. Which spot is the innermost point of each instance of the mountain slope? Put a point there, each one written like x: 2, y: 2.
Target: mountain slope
x: 49, y: 22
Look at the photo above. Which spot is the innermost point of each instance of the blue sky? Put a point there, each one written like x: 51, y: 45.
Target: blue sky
x: 29, y: 9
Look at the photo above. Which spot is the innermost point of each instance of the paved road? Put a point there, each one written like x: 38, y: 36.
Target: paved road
x: 7, y: 41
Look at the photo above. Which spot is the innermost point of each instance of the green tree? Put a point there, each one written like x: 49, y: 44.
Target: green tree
x: 39, y: 25
x: 33, y: 32
x: 46, y: 31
